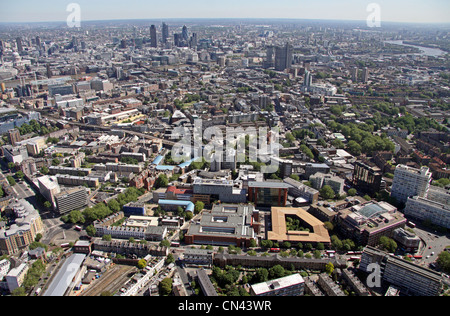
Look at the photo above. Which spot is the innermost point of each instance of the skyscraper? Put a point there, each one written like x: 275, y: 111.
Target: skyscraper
x: 185, y: 33
x: 165, y: 33
x: 283, y: 57
x: 308, y: 79
x: 153, y: 36
x: 19, y: 44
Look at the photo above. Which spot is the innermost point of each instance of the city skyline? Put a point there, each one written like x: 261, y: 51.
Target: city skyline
x: 24, y: 11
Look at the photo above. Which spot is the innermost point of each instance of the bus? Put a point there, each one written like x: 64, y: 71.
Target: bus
x: 175, y: 244
x: 78, y: 228
x: 353, y: 258
x: 411, y: 224
x: 274, y: 249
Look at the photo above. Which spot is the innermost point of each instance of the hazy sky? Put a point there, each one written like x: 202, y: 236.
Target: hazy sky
x: 423, y: 11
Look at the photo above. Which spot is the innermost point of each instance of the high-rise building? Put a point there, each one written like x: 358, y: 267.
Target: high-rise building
x: 185, y: 33
x: 165, y: 33
x: 38, y: 42
x: 354, y: 73
x: 410, y: 181
x: 19, y: 44
x: 367, y: 178
x: 153, y: 36
x: 410, y: 278
x: 365, y: 75
x: 193, y: 41
x: 283, y: 57
x: 14, y: 136
x: 308, y: 79
x: 71, y: 199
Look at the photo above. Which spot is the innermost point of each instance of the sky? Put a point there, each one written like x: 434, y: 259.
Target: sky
x: 421, y: 11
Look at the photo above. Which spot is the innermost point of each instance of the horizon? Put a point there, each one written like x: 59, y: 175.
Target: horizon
x: 400, y: 11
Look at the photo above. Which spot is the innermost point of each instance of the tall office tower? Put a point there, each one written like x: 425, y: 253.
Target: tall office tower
x: 185, y: 33
x: 19, y: 44
x: 177, y: 39
x: 283, y: 57
x: 270, y: 52
x: 354, y: 73
x: 49, y: 71
x: 308, y: 79
x: 410, y: 182
x: 193, y: 41
x: 38, y: 42
x: 165, y: 33
x: 365, y: 75
x: 153, y: 36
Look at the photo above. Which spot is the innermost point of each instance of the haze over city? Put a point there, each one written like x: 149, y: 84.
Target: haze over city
x: 417, y: 11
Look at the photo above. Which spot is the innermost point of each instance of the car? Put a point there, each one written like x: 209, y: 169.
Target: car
x: 429, y: 247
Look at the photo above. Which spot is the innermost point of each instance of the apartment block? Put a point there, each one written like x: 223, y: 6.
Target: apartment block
x: 410, y: 182
x: 409, y: 278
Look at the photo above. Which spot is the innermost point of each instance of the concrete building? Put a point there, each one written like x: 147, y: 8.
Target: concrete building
x: 409, y: 278
x: 71, y: 199
x: 225, y: 225
x: 425, y: 209
x: 319, y: 180
x: 410, y: 182
x: 16, y: 276
x: 292, y: 285
x: 49, y: 188
x: 298, y: 189
x: 218, y: 189
x: 367, y: 222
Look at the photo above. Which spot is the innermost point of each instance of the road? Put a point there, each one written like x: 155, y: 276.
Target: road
x: 433, y: 242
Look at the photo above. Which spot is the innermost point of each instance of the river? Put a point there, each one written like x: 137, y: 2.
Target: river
x: 427, y: 51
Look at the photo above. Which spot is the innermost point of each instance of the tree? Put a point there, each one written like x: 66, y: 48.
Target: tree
x: 165, y: 287
x: 329, y: 268
x: 114, y: 206
x: 142, y: 264
x: 11, y: 181
x: 352, y: 192
x: 199, y: 206
x: 162, y: 181
x: 327, y: 192
x: 443, y: 261
x: 20, y: 175
x: 76, y: 217
x: 91, y: 231
x: 47, y: 204
x: 388, y: 244
x: 277, y: 272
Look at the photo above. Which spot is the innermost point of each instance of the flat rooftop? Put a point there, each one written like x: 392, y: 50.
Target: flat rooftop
x: 279, y: 231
